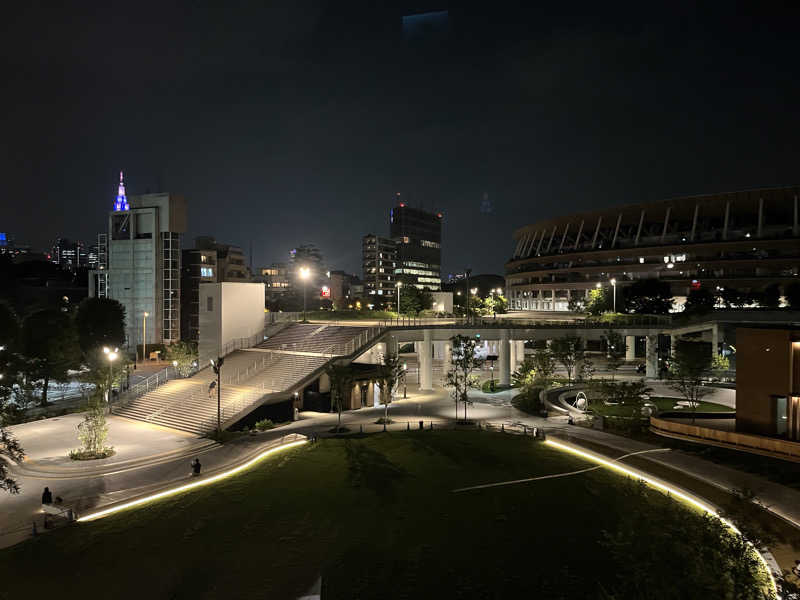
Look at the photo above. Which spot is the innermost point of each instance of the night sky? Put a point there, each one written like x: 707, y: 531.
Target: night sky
x: 296, y: 122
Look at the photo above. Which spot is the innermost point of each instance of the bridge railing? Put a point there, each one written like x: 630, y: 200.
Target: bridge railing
x: 501, y: 322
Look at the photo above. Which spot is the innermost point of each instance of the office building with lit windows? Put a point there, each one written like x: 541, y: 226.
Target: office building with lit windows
x: 139, y: 264
x: 418, y: 235
x: 741, y: 240
x: 378, y: 263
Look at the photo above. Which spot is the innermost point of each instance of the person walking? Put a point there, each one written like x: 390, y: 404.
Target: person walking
x: 196, y: 467
x: 47, y: 496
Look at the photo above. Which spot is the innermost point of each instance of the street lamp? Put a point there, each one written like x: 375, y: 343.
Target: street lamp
x: 468, y: 272
x: 144, y: 335
x: 111, y: 355
x: 217, y: 366
x: 614, y: 285
x: 405, y: 372
x: 305, y: 272
x: 175, y: 366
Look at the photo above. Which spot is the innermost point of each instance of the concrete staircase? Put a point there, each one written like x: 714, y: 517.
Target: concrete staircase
x: 249, y: 378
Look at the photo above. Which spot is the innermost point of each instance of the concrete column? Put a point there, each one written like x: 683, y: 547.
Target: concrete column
x: 512, y: 353
x: 426, y: 362
x: 438, y: 350
x: 673, y: 340
x: 553, y: 300
x: 630, y: 347
x: 505, y: 365
x: 520, y: 353
x: 714, y: 340
x: 651, y: 360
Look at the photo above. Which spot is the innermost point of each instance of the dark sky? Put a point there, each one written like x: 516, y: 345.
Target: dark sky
x: 294, y: 122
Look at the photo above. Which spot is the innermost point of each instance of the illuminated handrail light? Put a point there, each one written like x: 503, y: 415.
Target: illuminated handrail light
x: 188, y: 486
x: 672, y: 491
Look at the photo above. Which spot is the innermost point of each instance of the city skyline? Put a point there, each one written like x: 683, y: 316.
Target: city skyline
x: 305, y: 122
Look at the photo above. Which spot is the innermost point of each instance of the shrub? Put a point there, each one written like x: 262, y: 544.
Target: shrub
x: 529, y: 401
x: 264, y: 424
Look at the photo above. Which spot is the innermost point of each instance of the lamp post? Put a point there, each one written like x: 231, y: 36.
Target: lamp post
x: 175, y: 366
x: 614, y: 285
x: 304, y: 273
x: 217, y: 366
x: 405, y: 371
x: 144, y: 335
x: 111, y: 355
x: 468, y: 272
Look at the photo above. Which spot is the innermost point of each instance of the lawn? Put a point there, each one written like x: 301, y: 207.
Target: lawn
x: 663, y: 404
x: 376, y: 518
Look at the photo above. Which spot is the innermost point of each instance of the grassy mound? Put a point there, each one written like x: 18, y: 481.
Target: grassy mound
x: 376, y: 517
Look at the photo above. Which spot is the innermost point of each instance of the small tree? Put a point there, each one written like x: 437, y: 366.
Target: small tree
x: 791, y: 294
x: 615, y: 350
x: 9, y: 446
x: 414, y: 300
x: 544, y: 366
x: 391, y: 374
x: 460, y: 378
x: 648, y: 297
x: 599, y: 302
x: 626, y: 393
x: 93, y: 432
x: 568, y: 351
x: 341, y: 378
x: 185, y: 354
x: 690, y: 366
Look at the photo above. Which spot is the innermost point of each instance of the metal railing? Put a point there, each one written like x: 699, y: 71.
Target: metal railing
x: 498, y: 322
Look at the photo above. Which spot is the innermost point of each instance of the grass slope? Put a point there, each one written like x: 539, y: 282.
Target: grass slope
x: 376, y: 517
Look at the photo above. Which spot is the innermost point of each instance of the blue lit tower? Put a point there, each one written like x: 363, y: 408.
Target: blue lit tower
x: 121, y: 203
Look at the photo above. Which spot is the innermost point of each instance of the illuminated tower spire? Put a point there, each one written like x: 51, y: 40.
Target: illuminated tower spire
x: 121, y: 202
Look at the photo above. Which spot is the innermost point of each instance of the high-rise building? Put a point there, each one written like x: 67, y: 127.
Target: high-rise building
x: 139, y: 264
x: 276, y: 280
x: 419, y: 251
x: 231, y: 265
x: 69, y: 255
x: 208, y: 262
x: 378, y: 263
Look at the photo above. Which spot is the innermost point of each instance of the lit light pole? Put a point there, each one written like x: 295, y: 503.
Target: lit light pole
x: 398, y: 285
x: 175, y: 366
x: 304, y: 274
x: 405, y: 372
x: 614, y: 285
x: 468, y: 272
x: 111, y: 355
x: 144, y: 335
x: 217, y: 366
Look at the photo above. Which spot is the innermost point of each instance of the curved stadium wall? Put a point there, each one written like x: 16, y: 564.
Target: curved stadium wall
x: 744, y: 240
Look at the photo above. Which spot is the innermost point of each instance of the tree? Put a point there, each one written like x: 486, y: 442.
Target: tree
x: 495, y: 305
x: 185, y: 354
x: 414, y: 300
x: 9, y: 447
x: 50, y: 346
x: 700, y: 302
x: 615, y: 350
x: 771, y: 296
x: 341, y: 378
x: 93, y: 432
x: 392, y: 372
x: 568, y: 351
x: 599, y: 302
x: 9, y: 326
x: 791, y: 294
x: 100, y: 322
x: 690, y: 366
x: 463, y: 362
x: 648, y: 297
x: 626, y: 393
x: 536, y: 371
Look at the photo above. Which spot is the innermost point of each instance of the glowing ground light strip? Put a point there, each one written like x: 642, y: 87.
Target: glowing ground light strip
x: 664, y: 488
x: 189, y: 486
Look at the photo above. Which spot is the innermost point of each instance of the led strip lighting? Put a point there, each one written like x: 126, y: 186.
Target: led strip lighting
x: 664, y: 488
x: 189, y: 486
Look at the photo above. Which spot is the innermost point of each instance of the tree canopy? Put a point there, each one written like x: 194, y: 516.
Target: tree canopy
x: 100, y: 322
x: 50, y: 346
x: 648, y: 297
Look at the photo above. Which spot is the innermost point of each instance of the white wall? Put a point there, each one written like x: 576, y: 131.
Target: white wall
x: 237, y: 311
x: 443, y: 301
